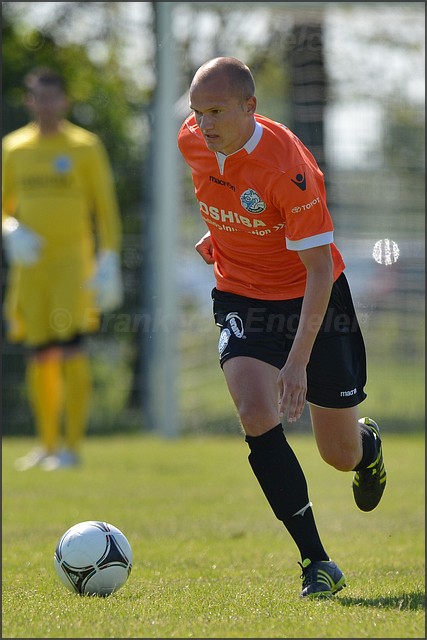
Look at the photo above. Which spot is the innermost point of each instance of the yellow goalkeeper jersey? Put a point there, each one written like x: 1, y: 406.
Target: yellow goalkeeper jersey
x: 61, y: 186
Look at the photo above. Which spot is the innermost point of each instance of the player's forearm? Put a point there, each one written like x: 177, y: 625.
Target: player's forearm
x: 107, y: 211
x: 315, y: 303
x: 109, y: 229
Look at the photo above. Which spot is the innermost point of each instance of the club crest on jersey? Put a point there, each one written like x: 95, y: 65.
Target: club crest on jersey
x: 62, y: 164
x: 252, y: 202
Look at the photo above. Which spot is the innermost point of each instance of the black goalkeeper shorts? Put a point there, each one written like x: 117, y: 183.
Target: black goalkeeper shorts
x: 265, y: 329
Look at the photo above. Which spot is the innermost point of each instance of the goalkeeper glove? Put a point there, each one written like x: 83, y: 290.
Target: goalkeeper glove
x: 22, y: 245
x: 107, y: 281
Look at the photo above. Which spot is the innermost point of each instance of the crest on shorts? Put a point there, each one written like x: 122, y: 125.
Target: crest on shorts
x: 252, y: 202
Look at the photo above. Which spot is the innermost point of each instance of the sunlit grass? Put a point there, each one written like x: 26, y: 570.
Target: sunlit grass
x: 210, y: 558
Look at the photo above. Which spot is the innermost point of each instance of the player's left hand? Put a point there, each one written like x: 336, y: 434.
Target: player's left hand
x: 292, y: 382
x: 108, y: 282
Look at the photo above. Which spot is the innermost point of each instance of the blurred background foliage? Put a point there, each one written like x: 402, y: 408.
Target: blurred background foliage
x: 368, y: 61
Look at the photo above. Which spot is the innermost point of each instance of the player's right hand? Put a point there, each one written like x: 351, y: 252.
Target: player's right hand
x: 205, y: 248
x: 22, y: 245
x: 292, y: 382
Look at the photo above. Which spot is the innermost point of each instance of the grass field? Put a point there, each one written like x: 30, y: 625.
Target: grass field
x: 210, y: 559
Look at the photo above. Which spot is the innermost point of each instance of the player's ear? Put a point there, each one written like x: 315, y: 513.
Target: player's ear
x: 251, y: 105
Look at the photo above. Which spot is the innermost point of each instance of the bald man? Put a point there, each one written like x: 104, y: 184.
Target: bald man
x: 289, y: 334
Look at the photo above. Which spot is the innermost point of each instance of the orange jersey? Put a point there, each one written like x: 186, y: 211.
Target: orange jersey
x: 262, y: 204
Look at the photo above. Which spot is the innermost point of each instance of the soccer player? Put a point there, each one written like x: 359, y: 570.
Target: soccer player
x: 62, y: 237
x: 288, y: 328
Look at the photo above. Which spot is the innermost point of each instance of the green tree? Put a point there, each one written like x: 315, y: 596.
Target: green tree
x: 107, y: 101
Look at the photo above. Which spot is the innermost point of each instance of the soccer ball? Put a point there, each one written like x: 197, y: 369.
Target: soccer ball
x: 93, y: 558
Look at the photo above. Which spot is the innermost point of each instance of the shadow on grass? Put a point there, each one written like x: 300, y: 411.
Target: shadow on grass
x: 406, y: 601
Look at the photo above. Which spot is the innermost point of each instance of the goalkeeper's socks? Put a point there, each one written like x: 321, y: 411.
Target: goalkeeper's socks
x: 282, y: 479
x: 78, y: 392
x: 44, y: 379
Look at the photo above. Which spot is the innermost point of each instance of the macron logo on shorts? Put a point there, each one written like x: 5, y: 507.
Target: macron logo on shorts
x: 350, y: 392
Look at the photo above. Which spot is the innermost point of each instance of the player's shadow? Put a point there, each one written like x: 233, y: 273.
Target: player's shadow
x: 412, y: 601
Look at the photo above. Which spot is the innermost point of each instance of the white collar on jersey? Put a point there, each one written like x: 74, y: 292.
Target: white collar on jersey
x: 248, y: 147
x: 254, y: 139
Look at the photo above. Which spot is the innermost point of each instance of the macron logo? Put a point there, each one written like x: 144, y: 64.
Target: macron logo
x: 351, y: 392
x: 300, y: 181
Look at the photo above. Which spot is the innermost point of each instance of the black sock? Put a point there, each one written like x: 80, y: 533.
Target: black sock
x: 279, y: 473
x: 371, y: 447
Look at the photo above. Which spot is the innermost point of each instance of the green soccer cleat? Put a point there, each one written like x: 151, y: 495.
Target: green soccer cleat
x: 321, y: 579
x: 369, y: 483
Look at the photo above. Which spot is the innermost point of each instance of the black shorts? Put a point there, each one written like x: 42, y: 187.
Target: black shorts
x: 265, y: 329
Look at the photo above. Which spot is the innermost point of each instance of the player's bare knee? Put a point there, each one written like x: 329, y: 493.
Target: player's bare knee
x: 340, y: 460
x: 256, y: 421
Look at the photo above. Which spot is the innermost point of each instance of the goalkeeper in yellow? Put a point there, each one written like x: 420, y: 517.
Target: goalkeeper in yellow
x: 61, y: 232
